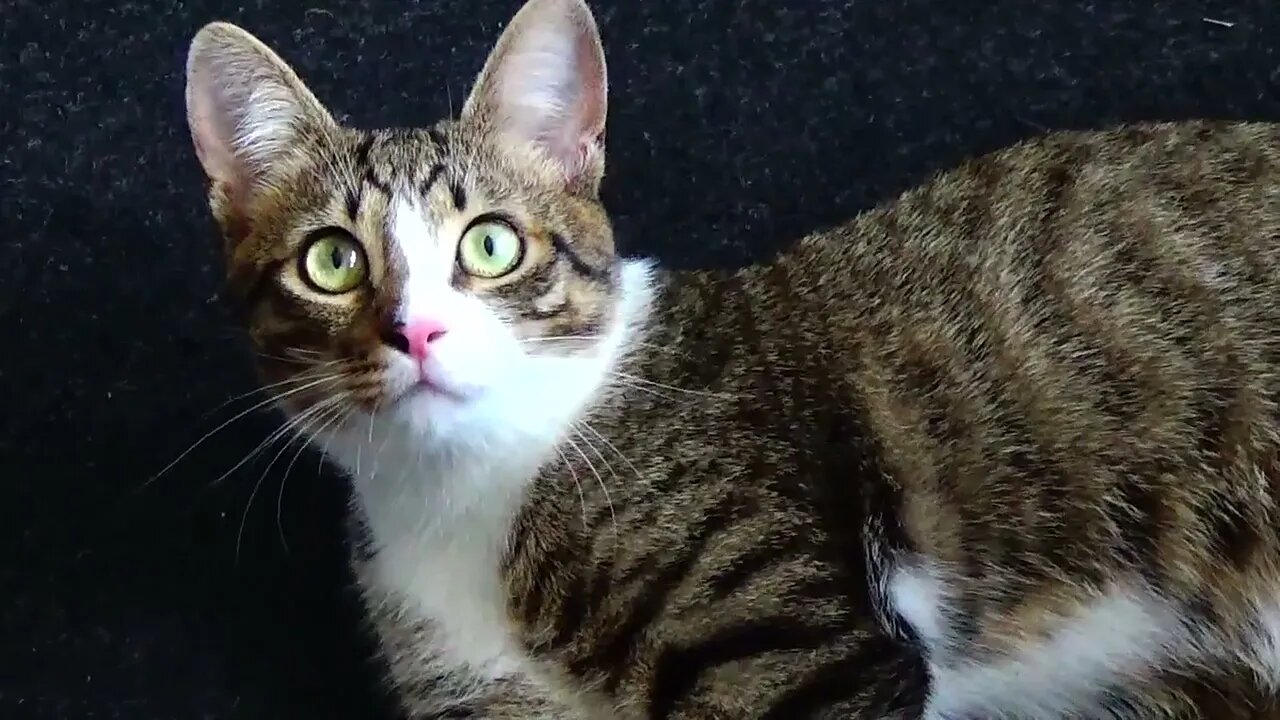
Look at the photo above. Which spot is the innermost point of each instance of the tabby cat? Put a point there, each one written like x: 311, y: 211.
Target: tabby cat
x: 1003, y: 447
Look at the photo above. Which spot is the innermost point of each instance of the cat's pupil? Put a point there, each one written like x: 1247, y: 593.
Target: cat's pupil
x: 488, y: 244
x: 336, y: 258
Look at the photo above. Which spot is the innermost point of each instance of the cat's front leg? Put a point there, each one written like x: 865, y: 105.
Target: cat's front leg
x: 858, y: 677
x: 705, y: 663
x: 429, y: 682
x: 451, y: 696
x: 427, y: 689
x: 510, y: 699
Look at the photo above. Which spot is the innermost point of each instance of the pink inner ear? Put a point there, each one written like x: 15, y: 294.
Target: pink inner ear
x: 211, y: 152
x: 547, y: 85
x: 212, y: 122
x: 581, y: 156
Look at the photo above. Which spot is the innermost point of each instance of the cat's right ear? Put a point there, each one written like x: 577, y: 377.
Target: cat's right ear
x: 245, y: 106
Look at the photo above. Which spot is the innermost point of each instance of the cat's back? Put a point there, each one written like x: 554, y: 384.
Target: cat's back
x: 1078, y: 335
x: 1068, y: 353
x: 1027, y: 409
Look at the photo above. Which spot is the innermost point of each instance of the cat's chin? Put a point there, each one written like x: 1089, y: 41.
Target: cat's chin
x: 427, y: 390
x: 431, y: 410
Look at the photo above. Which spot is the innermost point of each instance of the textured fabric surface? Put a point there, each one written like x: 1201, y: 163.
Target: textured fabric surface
x: 735, y: 125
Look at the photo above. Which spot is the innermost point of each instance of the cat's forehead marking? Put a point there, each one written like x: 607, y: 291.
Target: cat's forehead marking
x: 426, y: 250
x: 387, y: 163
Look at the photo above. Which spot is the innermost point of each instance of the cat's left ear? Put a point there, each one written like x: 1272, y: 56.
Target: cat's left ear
x: 545, y: 85
x: 246, y: 108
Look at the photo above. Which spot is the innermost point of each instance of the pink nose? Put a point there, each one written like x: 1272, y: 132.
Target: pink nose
x: 420, y: 334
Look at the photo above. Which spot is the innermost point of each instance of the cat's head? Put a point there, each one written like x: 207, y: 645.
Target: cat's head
x: 460, y: 280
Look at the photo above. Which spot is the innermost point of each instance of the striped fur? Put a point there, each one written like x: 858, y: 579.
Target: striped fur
x: 1005, y: 446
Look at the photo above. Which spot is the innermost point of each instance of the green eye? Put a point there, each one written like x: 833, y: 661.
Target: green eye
x: 334, y: 263
x: 490, y: 249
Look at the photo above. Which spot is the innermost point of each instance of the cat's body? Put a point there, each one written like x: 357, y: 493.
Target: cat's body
x: 1005, y: 447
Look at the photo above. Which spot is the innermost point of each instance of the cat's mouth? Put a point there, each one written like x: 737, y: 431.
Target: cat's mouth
x: 427, y: 385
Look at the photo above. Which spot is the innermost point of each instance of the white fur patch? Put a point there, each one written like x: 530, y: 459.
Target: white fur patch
x: 440, y: 479
x: 1264, y: 654
x: 1117, y: 636
x: 1124, y: 633
x: 428, y: 252
x: 917, y: 596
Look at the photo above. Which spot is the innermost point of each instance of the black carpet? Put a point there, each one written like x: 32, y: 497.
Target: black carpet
x: 734, y: 126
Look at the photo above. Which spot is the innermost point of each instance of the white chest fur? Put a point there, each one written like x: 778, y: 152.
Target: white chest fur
x: 454, y: 583
x: 438, y: 538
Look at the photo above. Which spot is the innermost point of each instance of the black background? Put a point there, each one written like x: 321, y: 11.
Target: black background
x: 734, y: 126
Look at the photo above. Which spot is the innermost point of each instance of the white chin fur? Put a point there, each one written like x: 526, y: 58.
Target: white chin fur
x: 515, y: 409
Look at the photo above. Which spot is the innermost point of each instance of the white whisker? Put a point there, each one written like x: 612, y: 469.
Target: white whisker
x: 335, y: 413
x: 647, y: 391
x: 298, y: 425
x: 582, y: 498
x: 673, y: 388
x: 256, y: 406
x: 313, y: 374
x: 274, y: 436
x: 608, y: 500
x: 592, y: 338
x: 614, y: 448
x: 333, y: 433
x: 577, y: 428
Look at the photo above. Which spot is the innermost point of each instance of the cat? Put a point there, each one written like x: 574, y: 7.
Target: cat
x: 1005, y: 446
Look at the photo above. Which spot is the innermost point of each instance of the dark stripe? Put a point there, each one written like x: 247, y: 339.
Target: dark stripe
x: 549, y: 579
x: 363, y: 149
x: 837, y: 683
x: 586, y: 594
x: 362, y: 161
x: 600, y: 588
x: 981, y: 180
x: 432, y: 177
x: 262, y: 284
x: 372, y: 178
x: 354, y: 196
x: 298, y: 332
x: 1212, y: 415
x: 901, y: 686
x: 535, y: 284
x: 517, y: 540
x: 437, y: 137
x: 678, y: 670
x: 575, y: 261
x: 585, y: 597
x: 1141, y: 520
x: 1235, y: 534
x: 613, y: 651
x: 579, y: 596
x: 459, y: 194
x: 762, y: 556
x: 1056, y: 181
x: 854, y: 491
x: 676, y: 474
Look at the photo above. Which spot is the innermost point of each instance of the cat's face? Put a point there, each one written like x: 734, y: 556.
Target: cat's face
x: 460, y: 279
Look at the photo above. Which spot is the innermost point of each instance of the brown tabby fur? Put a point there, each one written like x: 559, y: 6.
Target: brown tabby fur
x: 1052, y: 370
